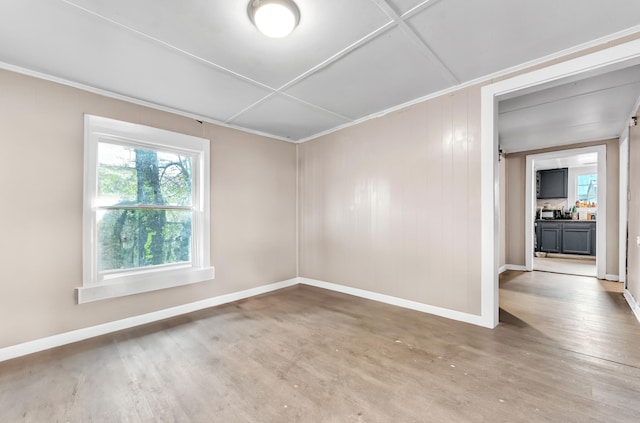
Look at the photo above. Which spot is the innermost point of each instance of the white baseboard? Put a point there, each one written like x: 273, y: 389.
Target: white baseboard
x: 517, y: 267
x: 505, y: 267
x: 53, y: 341
x: 632, y: 303
x: 413, y: 305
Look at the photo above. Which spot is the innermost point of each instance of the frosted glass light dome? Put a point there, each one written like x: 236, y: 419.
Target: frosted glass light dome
x: 274, y: 18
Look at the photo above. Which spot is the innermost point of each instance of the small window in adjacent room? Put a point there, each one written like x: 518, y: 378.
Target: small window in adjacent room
x: 146, y: 209
x: 587, y: 188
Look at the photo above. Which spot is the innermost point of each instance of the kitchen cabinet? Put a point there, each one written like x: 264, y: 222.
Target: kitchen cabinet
x: 576, y: 238
x: 566, y: 237
x: 552, y: 183
x: 550, y: 239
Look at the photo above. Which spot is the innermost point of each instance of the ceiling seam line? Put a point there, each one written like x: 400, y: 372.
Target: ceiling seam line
x: 249, y: 107
x: 336, y: 114
x: 484, y: 79
x: 418, y: 8
x: 315, y: 69
x: 421, y: 45
x: 338, y: 55
x: 134, y: 100
x: 426, y: 51
x: 172, y: 47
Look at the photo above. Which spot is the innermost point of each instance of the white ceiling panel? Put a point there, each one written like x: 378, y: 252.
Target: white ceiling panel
x: 592, y: 108
x: 118, y: 61
x: 287, y: 117
x: 345, y: 61
x: 558, y: 135
x: 476, y: 38
x: 578, y: 87
x: 603, y: 105
x: 382, y: 73
x: 226, y: 36
x: 579, y: 160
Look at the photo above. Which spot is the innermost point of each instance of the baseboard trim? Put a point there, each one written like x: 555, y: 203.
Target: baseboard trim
x: 388, y: 299
x: 37, y: 345
x: 612, y: 278
x: 53, y: 341
x: 516, y: 267
x: 632, y: 303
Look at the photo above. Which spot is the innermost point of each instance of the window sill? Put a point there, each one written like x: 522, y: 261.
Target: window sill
x: 152, y: 281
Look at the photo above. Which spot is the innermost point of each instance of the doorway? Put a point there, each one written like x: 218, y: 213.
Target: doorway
x: 617, y: 57
x: 585, y: 165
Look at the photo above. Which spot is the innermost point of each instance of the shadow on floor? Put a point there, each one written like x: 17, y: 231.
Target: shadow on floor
x: 510, y: 319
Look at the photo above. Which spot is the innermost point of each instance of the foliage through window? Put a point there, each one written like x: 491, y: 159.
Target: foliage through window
x: 146, y: 209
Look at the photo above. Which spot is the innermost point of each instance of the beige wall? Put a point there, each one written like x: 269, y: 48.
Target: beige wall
x: 515, y: 202
x: 633, y: 263
x: 514, y: 210
x: 41, y: 134
x: 390, y: 205
x: 393, y: 205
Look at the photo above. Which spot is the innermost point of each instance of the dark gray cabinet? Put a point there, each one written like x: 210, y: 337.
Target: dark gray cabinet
x: 550, y: 239
x: 566, y: 237
x: 552, y: 183
x: 576, y: 238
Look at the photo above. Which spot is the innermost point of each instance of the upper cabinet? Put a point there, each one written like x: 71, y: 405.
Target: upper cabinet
x: 552, y: 183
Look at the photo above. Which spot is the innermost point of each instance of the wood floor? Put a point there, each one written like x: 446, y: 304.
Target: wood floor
x: 567, y: 350
x: 569, y: 266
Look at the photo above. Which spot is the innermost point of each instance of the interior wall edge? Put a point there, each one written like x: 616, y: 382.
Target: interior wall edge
x: 399, y: 302
x: 632, y: 303
x: 42, y: 344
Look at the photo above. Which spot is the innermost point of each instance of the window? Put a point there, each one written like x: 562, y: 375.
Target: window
x: 587, y: 188
x: 146, y: 209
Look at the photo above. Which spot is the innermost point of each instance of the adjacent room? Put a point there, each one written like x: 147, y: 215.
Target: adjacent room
x: 319, y: 211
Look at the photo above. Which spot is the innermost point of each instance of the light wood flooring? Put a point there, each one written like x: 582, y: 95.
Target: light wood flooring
x: 566, y: 265
x: 567, y: 350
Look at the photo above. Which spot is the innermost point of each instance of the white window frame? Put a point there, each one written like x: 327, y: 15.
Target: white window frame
x: 574, y: 172
x: 96, y: 286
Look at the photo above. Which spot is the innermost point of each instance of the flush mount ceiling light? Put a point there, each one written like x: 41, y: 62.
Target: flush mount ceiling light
x: 274, y: 18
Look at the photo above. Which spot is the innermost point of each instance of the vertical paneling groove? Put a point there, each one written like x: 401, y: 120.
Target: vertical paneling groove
x: 447, y: 199
x: 461, y: 197
x: 473, y: 216
x: 434, y: 188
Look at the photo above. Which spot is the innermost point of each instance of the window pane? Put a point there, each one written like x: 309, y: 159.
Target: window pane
x: 129, y: 239
x: 128, y: 175
x: 588, y: 187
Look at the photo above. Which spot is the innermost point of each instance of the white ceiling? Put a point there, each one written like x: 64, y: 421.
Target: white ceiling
x: 347, y: 60
x: 579, y: 160
x: 595, y: 107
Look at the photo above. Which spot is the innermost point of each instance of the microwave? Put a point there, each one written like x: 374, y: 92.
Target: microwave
x: 550, y: 214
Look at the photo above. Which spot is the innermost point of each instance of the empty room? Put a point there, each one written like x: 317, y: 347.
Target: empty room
x: 319, y: 211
